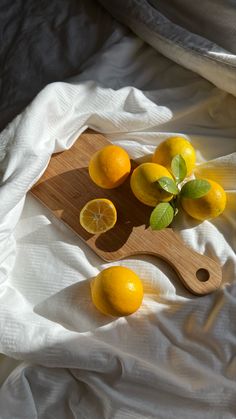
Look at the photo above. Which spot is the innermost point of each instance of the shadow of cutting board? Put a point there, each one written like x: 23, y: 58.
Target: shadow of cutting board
x: 65, y: 188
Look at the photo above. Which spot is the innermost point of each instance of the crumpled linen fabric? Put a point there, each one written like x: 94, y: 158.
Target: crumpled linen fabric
x: 175, y: 357
x: 46, y: 41
x: 198, y: 37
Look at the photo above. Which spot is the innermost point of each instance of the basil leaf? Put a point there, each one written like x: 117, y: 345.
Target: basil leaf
x: 178, y: 168
x: 168, y: 185
x: 195, y: 189
x: 161, y: 216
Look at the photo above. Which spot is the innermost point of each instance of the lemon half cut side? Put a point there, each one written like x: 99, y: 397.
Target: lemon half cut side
x: 98, y: 216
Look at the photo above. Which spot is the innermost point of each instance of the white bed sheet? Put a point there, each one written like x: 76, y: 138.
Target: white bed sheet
x: 174, y: 358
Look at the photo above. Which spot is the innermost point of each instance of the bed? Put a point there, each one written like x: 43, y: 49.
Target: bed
x: 138, y: 72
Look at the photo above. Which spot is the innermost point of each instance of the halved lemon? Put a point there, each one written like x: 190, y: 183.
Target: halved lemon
x: 98, y: 215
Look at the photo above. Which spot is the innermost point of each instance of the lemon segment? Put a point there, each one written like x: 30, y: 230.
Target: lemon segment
x: 98, y: 216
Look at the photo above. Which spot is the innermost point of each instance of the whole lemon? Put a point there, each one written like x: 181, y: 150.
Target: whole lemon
x: 169, y: 148
x: 117, y: 291
x: 109, y: 167
x: 144, y: 185
x: 208, y: 206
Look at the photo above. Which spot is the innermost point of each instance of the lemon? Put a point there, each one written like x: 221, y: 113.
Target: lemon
x: 109, y: 167
x: 117, y: 291
x: 144, y: 184
x: 208, y: 206
x: 98, y: 215
x: 169, y: 148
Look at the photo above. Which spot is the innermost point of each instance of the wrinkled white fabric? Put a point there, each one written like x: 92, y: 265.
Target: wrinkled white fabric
x: 201, y: 39
x: 175, y: 357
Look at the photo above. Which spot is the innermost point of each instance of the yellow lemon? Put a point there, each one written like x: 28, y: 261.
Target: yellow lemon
x: 144, y: 184
x: 208, y: 206
x: 169, y: 148
x: 98, y: 215
x: 109, y: 167
x: 117, y: 291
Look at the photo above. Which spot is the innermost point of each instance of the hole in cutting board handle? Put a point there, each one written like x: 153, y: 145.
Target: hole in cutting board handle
x: 202, y: 275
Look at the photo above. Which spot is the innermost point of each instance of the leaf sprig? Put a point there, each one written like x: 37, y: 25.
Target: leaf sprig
x: 164, y: 213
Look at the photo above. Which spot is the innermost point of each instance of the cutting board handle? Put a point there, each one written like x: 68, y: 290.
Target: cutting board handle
x: 199, y: 274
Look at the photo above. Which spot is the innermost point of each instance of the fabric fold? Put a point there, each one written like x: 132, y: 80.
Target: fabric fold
x: 153, y: 23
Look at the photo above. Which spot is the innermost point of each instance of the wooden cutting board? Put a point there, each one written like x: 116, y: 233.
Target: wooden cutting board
x: 66, y: 186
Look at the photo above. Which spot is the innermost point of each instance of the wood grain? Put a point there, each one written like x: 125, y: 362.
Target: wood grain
x: 66, y: 186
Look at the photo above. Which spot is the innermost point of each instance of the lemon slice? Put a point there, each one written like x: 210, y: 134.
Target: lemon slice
x: 98, y: 216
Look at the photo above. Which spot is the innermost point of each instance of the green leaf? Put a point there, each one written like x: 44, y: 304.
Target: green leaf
x: 168, y: 185
x: 179, y: 168
x: 161, y: 216
x: 195, y: 189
